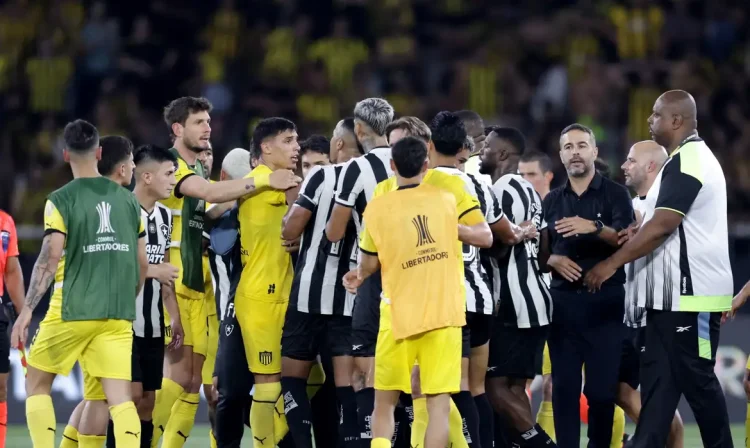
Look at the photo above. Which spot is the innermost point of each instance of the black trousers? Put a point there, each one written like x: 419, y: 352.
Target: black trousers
x: 679, y: 360
x: 586, y: 331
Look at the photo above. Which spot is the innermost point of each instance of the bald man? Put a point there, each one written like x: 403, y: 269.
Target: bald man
x: 344, y: 144
x: 642, y: 166
x: 687, y: 278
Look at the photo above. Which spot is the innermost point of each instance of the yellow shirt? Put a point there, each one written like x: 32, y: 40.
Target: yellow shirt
x: 414, y: 232
x: 267, y: 267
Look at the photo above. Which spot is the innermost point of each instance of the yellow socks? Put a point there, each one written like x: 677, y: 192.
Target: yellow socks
x: 546, y: 419
x: 127, y: 425
x: 165, y: 399
x: 181, y: 421
x: 419, y: 426
x: 212, y: 439
x: 456, y: 436
x: 262, y: 414
x: 85, y: 441
x: 618, y: 428
x: 747, y: 426
x: 280, y: 425
x: 40, y: 417
x: 69, y: 438
x: 380, y: 442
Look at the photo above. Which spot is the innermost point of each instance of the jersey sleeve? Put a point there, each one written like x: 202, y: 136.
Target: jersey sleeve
x: 311, y: 189
x: 680, y: 183
x: 509, y: 199
x: 366, y: 243
x: 53, y: 219
x: 384, y: 187
x: 183, y: 172
x: 11, y: 249
x: 169, y: 232
x: 350, y: 184
x: 494, y: 211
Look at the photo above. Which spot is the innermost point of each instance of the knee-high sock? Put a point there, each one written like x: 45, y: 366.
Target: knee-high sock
x: 127, y: 425
x: 365, y: 407
x: 87, y: 441
x: 456, y: 436
x: 380, y: 442
x: 401, y: 433
x: 3, y: 422
x: 348, y: 429
x: 546, y: 418
x: 467, y: 408
x: 618, y: 428
x: 166, y: 397
x: 181, y: 421
x: 486, y: 420
x: 40, y: 417
x: 262, y: 414
x: 747, y: 427
x: 297, y: 410
x: 69, y: 438
x: 147, y: 433
x: 419, y: 426
x: 212, y: 439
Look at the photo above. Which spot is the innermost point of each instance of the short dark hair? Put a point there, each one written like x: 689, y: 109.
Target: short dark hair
x: 180, y: 109
x: 448, y: 133
x: 269, y: 127
x: 512, y: 136
x: 153, y: 153
x: 470, y: 118
x: 80, y: 136
x: 409, y: 155
x: 115, y: 149
x: 545, y: 163
x: 488, y: 130
x: 603, y: 168
x: 348, y: 124
x: 315, y: 143
x: 579, y: 127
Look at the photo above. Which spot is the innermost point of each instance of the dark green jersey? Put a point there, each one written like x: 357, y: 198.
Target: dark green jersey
x: 98, y: 276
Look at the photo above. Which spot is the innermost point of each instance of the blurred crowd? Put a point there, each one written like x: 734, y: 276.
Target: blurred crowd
x: 537, y: 65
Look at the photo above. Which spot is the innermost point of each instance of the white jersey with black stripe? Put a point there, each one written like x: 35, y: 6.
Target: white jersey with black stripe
x: 525, y: 300
x: 317, y: 286
x: 479, y: 297
x: 149, y: 317
x: 635, y: 316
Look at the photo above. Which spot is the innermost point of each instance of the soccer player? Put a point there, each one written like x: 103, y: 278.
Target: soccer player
x: 11, y: 275
x: 642, y: 166
x: 686, y: 242
x: 314, y: 151
x: 536, y: 168
x: 190, y: 128
x: 355, y: 188
x: 90, y: 415
x: 476, y: 130
x: 94, y: 251
x: 422, y: 279
x: 263, y: 292
x: 525, y: 308
x: 344, y: 143
x: 319, y: 315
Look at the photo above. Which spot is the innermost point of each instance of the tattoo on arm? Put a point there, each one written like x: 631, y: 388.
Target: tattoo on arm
x: 249, y: 187
x: 41, y: 277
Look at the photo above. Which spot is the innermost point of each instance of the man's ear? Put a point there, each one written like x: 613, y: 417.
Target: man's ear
x: 393, y: 166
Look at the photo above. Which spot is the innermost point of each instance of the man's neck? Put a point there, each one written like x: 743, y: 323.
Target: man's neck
x: 84, y: 169
x: 581, y: 184
x: 371, y: 142
x: 146, y: 200
x: 437, y: 159
x: 270, y: 165
x: 642, y: 189
x: 509, y: 166
x: 404, y: 181
x: 187, y: 155
x: 543, y: 193
x: 681, y: 138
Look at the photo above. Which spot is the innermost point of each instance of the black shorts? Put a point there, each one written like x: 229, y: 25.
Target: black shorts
x: 148, y: 362
x: 633, y: 345
x: 366, y: 317
x: 515, y: 352
x: 480, y: 328
x: 304, y: 334
x: 4, y: 346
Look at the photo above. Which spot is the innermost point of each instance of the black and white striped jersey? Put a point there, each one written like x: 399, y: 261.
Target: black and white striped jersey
x: 317, y: 286
x: 149, y: 318
x: 479, y: 297
x: 358, y: 179
x: 635, y: 316
x: 224, y: 258
x: 525, y: 300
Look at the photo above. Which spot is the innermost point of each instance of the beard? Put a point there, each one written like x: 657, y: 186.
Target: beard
x: 192, y: 145
x: 578, y: 171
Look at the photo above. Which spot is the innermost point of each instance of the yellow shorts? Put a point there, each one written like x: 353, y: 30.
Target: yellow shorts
x: 261, y: 324
x: 99, y: 345
x: 546, y: 363
x: 92, y: 388
x: 213, y: 345
x: 438, y: 353
x: 193, y: 318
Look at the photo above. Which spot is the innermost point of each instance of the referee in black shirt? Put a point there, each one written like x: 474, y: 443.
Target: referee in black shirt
x: 584, y: 217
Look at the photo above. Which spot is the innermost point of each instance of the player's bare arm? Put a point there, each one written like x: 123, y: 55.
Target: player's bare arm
x: 650, y: 236
x: 478, y: 235
x: 510, y: 234
x: 216, y: 210
x: 230, y: 190
x: 294, y: 222
x: 368, y: 265
x: 42, y: 277
x: 14, y: 282
x: 142, y: 263
x: 575, y: 225
x: 336, y: 226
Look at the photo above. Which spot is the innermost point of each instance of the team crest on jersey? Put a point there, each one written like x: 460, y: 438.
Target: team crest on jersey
x: 105, y: 225
x: 228, y: 329
x: 164, y: 230
x: 423, y: 232
x: 5, y: 238
x: 265, y: 358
